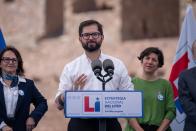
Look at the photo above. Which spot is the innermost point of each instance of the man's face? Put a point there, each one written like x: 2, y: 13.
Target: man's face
x: 194, y: 50
x: 91, y: 39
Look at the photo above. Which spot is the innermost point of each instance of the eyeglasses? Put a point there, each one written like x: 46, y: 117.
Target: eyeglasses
x: 7, y: 60
x: 94, y: 35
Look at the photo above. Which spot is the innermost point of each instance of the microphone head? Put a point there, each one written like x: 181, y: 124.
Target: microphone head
x: 108, y: 67
x: 96, y: 67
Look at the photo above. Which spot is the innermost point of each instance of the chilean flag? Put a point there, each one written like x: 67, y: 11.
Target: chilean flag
x: 2, y: 41
x: 182, y: 61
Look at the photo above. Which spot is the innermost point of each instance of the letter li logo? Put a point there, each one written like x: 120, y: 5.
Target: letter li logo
x: 91, y: 104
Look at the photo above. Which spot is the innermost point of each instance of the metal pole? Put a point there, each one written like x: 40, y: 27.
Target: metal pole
x: 102, y: 122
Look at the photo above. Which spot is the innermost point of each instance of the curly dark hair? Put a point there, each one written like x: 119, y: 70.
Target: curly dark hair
x: 150, y: 50
x: 20, y: 69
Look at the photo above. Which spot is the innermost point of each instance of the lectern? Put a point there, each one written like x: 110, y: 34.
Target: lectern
x: 107, y: 104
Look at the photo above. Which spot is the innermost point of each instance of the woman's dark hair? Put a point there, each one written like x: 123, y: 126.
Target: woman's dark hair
x: 154, y: 50
x: 88, y: 23
x: 20, y: 69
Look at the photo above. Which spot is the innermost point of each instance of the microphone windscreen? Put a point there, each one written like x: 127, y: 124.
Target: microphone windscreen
x: 108, y: 64
x: 96, y: 64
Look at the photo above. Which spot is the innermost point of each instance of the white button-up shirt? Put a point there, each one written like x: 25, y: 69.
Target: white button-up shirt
x: 82, y: 65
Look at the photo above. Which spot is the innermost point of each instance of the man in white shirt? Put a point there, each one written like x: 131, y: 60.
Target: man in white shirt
x: 78, y: 75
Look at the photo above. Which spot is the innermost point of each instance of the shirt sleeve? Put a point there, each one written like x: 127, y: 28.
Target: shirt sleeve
x: 170, y: 105
x: 65, y: 82
x: 125, y: 80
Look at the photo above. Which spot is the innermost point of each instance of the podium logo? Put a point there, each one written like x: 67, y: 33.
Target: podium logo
x: 94, y: 106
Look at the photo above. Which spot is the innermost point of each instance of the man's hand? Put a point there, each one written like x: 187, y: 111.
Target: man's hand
x: 30, y: 124
x: 7, y: 128
x: 80, y: 82
x: 59, y: 101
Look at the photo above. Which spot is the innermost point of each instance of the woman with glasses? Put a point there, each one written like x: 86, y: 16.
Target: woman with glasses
x: 159, y: 109
x: 16, y: 95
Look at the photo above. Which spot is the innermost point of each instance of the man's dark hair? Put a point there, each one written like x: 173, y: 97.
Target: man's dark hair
x: 154, y: 50
x: 20, y: 69
x: 90, y: 22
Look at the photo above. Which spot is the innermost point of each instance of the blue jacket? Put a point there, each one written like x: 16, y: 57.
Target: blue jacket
x: 22, y: 112
x: 187, y: 97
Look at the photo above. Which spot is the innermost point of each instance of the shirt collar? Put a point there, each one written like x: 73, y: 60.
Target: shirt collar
x: 20, y: 79
x: 86, y: 57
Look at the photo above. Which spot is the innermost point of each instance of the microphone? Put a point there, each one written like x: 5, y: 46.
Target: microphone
x: 97, y: 67
x: 108, y: 67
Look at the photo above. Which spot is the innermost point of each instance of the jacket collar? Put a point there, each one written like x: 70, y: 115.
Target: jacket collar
x: 21, y: 86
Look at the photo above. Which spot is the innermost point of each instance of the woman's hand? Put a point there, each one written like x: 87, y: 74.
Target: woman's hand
x: 30, y: 124
x: 134, y: 124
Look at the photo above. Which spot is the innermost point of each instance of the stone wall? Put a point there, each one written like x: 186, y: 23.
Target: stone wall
x: 22, y: 21
x: 149, y: 18
x: 84, y: 5
x: 54, y: 23
x: 139, y: 18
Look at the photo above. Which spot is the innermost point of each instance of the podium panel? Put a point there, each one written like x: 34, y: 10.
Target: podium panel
x: 103, y: 104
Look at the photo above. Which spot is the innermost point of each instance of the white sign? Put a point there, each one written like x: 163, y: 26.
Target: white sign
x: 99, y: 104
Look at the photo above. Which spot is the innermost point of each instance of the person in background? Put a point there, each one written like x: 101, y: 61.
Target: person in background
x: 159, y: 108
x: 78, y: 75
x: 17, y: 93
x: 187, y: 93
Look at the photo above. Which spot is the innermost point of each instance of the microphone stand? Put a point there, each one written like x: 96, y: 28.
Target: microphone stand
x: 102, y: 122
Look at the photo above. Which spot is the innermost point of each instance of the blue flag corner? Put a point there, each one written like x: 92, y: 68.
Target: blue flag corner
x: 2, y: 41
